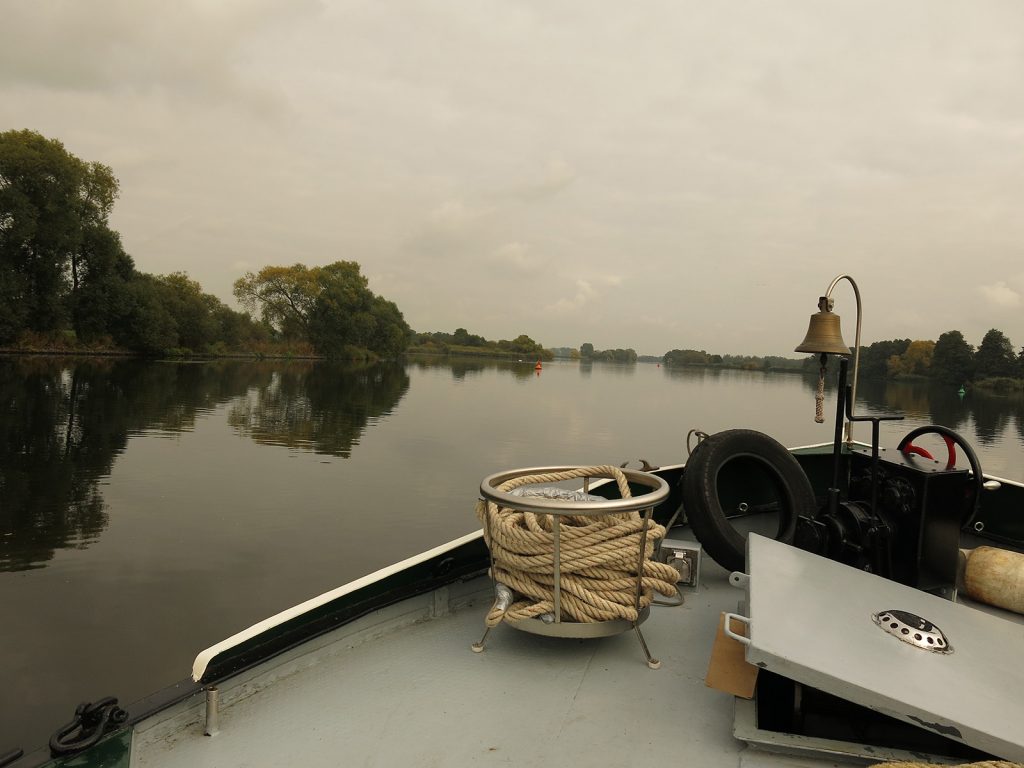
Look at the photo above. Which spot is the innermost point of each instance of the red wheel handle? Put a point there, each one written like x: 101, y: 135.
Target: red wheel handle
x: 950, y: 451
x: 952, y: 439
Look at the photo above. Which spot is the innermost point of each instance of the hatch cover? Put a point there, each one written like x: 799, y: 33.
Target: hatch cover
x: 817, y: 622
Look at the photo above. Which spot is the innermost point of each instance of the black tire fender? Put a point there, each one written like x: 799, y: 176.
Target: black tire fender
x: 702, y: 503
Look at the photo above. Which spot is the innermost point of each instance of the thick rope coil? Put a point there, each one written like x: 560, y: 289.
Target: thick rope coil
x: 598, y: 557
x: 819, y: 398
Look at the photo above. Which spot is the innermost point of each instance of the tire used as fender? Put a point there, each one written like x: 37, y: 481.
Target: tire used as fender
x: 701, y: 499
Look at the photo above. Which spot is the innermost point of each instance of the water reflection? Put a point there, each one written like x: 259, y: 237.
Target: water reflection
x: 608, y: 367
x: 465, y: 367
x: 323, y: 407
x: 64, y: 422
x: 991, y: 415
x: 914, y: 399
x: 53, y: 448
x: 694, y: 372
x: 62, y: 425
x: 987, y: 417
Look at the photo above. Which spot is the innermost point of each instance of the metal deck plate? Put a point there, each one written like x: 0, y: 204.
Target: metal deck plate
x: 811, y: 621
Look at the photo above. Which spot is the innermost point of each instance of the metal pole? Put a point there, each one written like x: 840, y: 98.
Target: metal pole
x: 556, y: 530
x: 478, y: 647
x: 212, y: 711
x: 856, y: 349
x: 837, y: 442
x: 643, y: 551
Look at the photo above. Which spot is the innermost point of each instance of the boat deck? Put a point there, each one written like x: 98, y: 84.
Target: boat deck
x: 401, y: 687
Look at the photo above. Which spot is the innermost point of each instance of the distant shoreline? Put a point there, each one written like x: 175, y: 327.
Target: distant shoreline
x: 136, y: 355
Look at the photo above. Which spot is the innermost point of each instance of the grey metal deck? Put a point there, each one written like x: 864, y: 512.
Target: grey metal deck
x: 401, y: 687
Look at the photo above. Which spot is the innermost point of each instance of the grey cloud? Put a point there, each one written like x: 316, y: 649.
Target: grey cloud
x: 188, y: 49
x: 482, y: 160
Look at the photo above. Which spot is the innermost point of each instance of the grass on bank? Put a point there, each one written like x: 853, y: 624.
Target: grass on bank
x: 66, y: 343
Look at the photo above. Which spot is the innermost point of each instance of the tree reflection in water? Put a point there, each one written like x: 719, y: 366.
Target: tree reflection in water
x: 465, y: 367
x: 64, y: 422
x: 987, y: 415
x: 62, y: 425
x: 322, y: 407
x: 54, y: 445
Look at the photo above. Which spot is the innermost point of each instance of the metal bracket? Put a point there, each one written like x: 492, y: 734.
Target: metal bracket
x: 684, y: 556
x: 727, y: 627
x: 739, y: 579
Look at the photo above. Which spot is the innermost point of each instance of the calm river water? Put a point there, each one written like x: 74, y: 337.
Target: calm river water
x: 150, y: 509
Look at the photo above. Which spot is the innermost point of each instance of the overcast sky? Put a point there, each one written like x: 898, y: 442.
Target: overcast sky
x: 653, y: 175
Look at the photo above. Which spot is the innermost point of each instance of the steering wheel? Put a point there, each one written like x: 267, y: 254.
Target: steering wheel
x: 952, y: 440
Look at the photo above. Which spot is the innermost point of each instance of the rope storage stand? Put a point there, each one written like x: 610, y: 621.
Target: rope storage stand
x: 567, y: 567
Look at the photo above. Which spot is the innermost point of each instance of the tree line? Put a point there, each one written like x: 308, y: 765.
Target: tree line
x: 950, y: 359
x: 677, y: 358
x: 588, y: 353
x: 66, y: 280
x: 462, y: 342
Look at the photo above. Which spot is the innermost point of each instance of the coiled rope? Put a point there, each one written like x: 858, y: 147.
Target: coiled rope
x: 598, y: 557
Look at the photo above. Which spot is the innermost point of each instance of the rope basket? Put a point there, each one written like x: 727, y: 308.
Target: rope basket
x: 598, y: 557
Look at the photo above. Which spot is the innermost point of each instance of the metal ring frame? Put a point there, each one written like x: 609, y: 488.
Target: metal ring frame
x: 645, y: 503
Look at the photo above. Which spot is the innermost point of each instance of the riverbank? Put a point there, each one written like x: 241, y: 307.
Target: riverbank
x: 495, y: 353
x: 299, y: 351
x: 1002, y: 385
x: 66, y: 343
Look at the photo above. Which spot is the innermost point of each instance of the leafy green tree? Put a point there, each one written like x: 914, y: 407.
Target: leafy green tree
x: 284, y: 296
x: 587, y: 350
x: 615, y: 355
x: 50, y: 203
x: 347, y: 313
x: 100, y: 302
x: 995, y: 356
x: 391, y: 334
x: 464, y: 338
x: 150, y: 326
x: 192, y: 310
x: 236, y: 330
x: 679, y: 357
x: 332, y: 307
x: 99, y: 190
x: 874, y: 359
x: 952, y: 359
x: 13, y: 308
x: 523, y: 345
x: 915, y: 361
x: 342, y: 313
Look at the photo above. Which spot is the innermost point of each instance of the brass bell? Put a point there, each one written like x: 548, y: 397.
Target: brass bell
x: 823, y: 333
